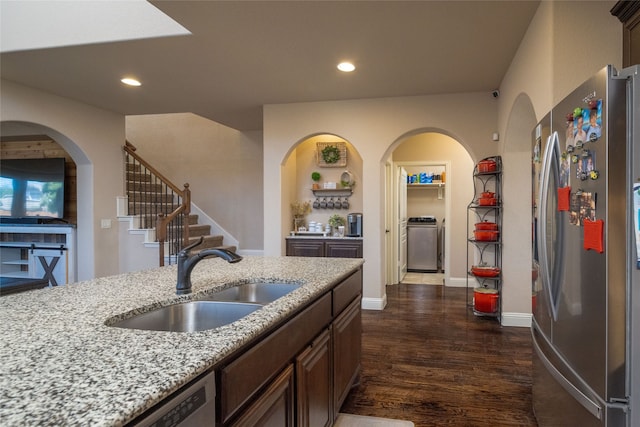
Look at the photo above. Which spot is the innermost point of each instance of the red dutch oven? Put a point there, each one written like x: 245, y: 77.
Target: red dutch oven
x: 485, y: 300
x: 487, y: 165
x: 485, y: 225
x: 485, y: 271
x: 486, y: 235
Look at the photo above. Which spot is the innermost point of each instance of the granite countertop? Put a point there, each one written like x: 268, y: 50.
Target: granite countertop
x: 61, y: 365
x: 319, y: 236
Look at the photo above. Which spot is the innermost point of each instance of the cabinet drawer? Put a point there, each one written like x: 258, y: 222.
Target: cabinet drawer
x: 346, y: 291
x: 248, y: 373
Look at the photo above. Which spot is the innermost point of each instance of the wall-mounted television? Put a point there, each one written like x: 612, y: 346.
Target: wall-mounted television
x: 32, y: 188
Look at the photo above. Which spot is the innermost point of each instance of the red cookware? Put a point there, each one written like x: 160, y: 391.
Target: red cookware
x: 483, y: 201
x: 487, y: 165
x: 487, y: 194
x: 485, y: 271
x: 485, y: 225
x: 485, y: 235
x: 485, y: 300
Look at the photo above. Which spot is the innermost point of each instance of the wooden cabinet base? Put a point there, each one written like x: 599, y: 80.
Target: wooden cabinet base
x: 320, y: 247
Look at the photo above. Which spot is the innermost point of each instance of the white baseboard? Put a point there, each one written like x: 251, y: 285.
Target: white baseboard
x: 456, y: 282
x: 521, y: 320
x: 374, y: 303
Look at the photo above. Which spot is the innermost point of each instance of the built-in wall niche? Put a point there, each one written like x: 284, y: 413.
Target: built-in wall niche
x: 306, y: 162
x: 39, y: 147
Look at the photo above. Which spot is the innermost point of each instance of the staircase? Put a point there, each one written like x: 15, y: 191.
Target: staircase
x: 149, y: 195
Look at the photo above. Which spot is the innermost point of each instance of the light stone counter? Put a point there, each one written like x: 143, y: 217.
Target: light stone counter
x: 61, y: 365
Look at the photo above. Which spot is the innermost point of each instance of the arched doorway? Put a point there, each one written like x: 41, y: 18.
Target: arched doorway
x: 25, y: 131
x: 430, y: 151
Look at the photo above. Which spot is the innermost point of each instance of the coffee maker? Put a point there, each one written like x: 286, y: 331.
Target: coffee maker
x: 354, y: 225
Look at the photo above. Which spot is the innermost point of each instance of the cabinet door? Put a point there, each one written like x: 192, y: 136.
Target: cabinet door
x: 308, y: 248
x: 347, y: 349
x: 349, y: 249
x: 274, y: 407
x: 313, y: 381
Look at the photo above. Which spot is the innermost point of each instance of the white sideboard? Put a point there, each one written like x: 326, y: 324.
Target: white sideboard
x: 38, y: 251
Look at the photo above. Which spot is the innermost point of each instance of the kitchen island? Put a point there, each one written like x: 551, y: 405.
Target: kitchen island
x: 62, y: 364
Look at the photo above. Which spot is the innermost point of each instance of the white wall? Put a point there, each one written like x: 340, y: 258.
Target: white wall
x: 223, y: 167
x: 565, y: 44
x: 374, y: 127
x: 94, y: 139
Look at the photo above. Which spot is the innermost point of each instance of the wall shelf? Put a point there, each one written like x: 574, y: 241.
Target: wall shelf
x: 434, y: 185
x: 335, y: 192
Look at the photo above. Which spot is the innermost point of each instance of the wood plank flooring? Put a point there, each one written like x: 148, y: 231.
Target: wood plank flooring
x: 428, y: 359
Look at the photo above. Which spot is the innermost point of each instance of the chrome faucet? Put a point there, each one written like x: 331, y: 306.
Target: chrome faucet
x: 186, y: 263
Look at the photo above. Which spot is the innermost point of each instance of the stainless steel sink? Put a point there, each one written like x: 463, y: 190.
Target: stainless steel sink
x: 189, y: 316
x: 258, y: 293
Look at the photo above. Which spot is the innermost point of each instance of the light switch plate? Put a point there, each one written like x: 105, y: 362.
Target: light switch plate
x: 105, y: 223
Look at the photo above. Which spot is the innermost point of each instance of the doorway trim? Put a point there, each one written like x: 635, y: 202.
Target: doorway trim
x: 394, y: 239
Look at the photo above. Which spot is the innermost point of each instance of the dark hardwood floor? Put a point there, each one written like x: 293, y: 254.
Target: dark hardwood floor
x: 428, y: 359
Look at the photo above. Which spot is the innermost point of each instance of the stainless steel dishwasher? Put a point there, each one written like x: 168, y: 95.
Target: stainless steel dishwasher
x: 422, y: 244
x: 192, y: 406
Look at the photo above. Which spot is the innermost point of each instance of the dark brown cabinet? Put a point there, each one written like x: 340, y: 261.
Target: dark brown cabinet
x: 343, y: 249
x: 347, y: 350
x: 324, y: 247
x: 628, y: 12
x: 313, y: 384
x: 309, y: 248
x: 274, y: 407
x: 301, y: 372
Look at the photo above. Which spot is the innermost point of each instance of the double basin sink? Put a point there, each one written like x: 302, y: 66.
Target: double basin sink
x: 210, y: 311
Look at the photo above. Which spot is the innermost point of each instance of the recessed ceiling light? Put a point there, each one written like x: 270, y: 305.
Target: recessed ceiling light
x: 131, y: 82
x: 347, y: 67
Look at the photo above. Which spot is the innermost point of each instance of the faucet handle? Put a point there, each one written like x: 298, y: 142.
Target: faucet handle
x: 186, y: 249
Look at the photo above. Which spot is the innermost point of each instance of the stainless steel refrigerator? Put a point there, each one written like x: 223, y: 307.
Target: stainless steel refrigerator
x: 586, y: 255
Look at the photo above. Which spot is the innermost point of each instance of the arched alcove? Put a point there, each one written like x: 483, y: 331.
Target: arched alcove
x: 516, y: 158
x: 299, y: 163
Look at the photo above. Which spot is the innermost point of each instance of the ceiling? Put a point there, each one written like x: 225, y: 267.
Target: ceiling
x: 242, y: 55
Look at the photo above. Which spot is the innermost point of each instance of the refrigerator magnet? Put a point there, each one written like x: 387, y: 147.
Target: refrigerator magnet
x: 564, y: 197
x: 593, y: 235
x: 594, y: 129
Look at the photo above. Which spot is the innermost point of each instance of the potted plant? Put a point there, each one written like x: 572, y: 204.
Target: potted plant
x: 336, y: 221
x: 315, y: 176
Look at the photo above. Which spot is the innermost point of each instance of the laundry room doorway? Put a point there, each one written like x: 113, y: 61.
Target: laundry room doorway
x: 437, y: 191
x: 426, y: 213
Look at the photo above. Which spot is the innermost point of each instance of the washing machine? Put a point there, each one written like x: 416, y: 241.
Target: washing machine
x: 422, y: 244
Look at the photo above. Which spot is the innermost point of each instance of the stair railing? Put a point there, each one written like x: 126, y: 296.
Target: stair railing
x: 168, y: 209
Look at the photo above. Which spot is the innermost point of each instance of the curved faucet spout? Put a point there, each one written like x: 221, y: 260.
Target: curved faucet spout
x: 186, y: 264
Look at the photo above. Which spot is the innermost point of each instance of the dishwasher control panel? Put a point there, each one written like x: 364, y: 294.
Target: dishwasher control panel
x: 193, y: 405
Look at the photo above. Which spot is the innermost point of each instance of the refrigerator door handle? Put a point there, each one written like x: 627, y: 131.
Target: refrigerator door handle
x: 591, y: 406
x: 541, y: 229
